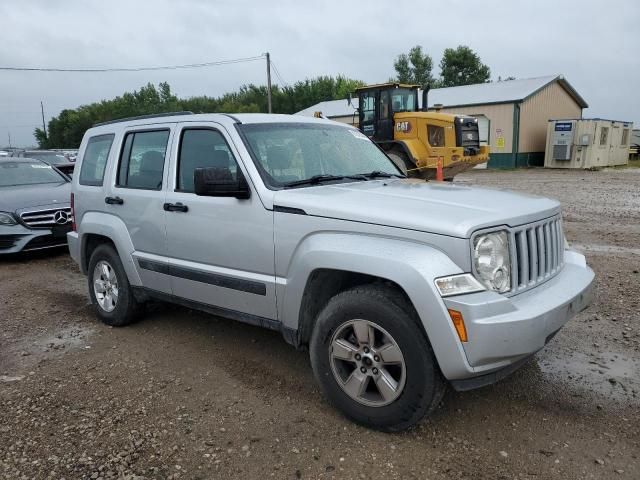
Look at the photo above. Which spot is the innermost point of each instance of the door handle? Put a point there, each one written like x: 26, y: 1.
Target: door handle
x: 175, y: 207
x: 113, y: 200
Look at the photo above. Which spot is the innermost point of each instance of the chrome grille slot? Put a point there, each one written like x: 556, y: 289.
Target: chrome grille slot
x: 46, y: 218
x: 537, y: 253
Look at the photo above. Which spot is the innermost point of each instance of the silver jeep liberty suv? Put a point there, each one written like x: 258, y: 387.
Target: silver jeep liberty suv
x: 397, y: 287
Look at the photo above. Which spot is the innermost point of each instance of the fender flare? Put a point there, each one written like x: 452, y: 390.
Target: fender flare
x: 113, y: 228
x: 411, y: 265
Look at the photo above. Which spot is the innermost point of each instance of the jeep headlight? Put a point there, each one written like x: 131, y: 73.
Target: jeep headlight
x: 7, y: 219
x: 458, y: 285
x: 491, y: 260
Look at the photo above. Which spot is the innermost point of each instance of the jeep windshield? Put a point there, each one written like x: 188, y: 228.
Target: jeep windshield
x: 298, y: 155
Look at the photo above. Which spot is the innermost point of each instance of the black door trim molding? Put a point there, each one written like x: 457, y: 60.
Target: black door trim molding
x: 224, y: 281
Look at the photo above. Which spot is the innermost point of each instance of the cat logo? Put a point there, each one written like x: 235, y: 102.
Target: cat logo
x: 404, y: 127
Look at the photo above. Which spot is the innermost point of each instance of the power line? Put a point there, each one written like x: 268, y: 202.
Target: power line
x: 275, y: 69
x: 134, y: 69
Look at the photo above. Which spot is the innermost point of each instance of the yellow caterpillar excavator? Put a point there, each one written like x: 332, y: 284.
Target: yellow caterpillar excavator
x: 417, y: 140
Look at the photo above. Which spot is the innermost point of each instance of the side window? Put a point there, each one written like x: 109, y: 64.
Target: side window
x: 368, y: 106
x: 142, y: 160
x: 625, y: 138
x: 436, y: 135
x: 604, y: 135
x: 95, y: 160
x: 200, y: 148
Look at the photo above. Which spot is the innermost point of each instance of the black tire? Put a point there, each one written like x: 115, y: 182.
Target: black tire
x: 401, y: 161
x: 424, y: 384
x: 127, y: 308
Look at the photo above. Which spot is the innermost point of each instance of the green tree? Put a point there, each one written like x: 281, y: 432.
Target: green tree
x: 462, y: 66
x: 415, y: 67
x: 67, y: 129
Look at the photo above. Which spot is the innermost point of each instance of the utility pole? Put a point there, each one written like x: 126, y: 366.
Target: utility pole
x: 44, y: 127
x: 268, y: 82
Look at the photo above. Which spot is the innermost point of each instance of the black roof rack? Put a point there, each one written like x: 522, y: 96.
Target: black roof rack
x: 143, y: 117
x: 232, y: 117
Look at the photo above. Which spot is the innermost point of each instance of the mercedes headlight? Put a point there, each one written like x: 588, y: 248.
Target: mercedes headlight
x: 491, y: 260
x: 7, y: 219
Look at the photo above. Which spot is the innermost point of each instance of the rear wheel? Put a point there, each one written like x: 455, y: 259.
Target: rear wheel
x: 109, y: 288
x: 372, y: 360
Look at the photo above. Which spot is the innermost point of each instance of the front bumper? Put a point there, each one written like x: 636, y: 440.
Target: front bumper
x: 18, y: 238
x: 504, y: 331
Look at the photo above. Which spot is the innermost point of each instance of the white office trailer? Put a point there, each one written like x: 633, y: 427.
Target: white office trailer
x: 587, y: 143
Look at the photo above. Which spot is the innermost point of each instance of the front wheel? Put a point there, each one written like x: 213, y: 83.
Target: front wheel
x: 373, y: 361
x: 401, y: 161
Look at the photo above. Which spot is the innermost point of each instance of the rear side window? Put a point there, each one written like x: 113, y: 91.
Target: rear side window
x: 94, y: 161
x: 142, y: 160
x: 436, y: 135
x: 201, y: 148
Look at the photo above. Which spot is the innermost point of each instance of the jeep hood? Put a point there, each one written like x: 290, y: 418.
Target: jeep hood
x: 443, y: 208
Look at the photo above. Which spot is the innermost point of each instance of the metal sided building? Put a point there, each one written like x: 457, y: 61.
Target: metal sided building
x: 517, y: 113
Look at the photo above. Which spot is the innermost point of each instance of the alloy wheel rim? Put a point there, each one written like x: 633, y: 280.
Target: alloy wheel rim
x: 367, y: 363
x: 105, y: 286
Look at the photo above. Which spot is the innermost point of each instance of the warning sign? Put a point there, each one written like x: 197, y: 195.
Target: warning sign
x: 500, y: 142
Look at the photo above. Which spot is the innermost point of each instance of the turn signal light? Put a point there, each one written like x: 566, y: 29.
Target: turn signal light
x: 458, y: 322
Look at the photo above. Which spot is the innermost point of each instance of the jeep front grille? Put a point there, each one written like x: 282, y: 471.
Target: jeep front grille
x: 537, y: 253
x: 46, y: 218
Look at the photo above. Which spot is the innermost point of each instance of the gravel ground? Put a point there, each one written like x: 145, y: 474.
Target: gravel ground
x: 186, y: 395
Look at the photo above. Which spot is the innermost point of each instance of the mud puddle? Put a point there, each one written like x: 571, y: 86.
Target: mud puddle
x: 614, y: 376
x: 31, y: 351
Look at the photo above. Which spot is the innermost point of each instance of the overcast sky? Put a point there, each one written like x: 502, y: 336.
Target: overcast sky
x: 593, y: 43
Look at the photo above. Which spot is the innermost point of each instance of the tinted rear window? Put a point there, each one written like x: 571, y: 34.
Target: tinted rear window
x: 95, y: 160
x: 142, y: 160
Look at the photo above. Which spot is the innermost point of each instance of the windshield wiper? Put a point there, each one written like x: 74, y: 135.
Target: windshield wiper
x: 379, y: 174
x: 317, y: 179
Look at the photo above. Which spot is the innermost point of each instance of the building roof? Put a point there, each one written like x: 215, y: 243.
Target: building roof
x: 508, y: 91
x: 332, y: 108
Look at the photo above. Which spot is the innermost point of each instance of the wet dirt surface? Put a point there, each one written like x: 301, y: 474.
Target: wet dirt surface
x: 183, y: 394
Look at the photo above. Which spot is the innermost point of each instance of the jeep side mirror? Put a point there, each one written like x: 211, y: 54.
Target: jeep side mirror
x: 219, y: 182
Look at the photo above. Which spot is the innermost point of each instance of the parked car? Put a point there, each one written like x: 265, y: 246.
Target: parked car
x: 396, y: 286
x: 34, y: 205
x: 56, y: 159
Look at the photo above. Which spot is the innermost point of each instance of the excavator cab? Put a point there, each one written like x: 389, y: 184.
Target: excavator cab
x: 378, y: 105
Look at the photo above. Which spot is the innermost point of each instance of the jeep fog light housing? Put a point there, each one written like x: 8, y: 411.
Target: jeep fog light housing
x: 7, y: 219
x: 492, y: 262
x: 458, y: 285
